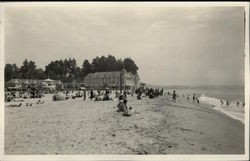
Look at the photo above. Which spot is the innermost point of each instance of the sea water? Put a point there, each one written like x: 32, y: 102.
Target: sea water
x: 213, y: 96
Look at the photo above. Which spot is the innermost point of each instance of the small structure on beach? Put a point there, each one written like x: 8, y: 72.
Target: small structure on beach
x: 25, y: 84
x: 15, y: 84
x: 49, y: 85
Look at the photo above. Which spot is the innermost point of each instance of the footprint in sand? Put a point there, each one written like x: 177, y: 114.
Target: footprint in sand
x: 144, y: 152
x: 136, y: 127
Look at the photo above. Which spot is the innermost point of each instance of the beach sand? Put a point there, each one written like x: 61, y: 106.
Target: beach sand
x: 158, y: 126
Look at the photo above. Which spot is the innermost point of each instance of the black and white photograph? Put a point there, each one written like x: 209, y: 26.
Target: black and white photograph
x: 125, y: 78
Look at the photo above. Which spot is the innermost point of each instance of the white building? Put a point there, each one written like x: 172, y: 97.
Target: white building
x: 114, y: 80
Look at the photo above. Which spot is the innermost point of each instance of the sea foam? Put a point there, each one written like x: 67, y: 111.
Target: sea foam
x: 232, y: 110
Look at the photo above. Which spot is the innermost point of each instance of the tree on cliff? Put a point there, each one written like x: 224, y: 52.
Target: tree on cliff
x: 130, y: 66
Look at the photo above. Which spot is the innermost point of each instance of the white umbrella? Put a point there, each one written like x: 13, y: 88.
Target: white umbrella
x: 49, y: 80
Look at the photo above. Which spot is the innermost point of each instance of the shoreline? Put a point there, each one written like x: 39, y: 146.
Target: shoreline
x: 158, y: 127
x: 225, y: 113
x: 211, y: 121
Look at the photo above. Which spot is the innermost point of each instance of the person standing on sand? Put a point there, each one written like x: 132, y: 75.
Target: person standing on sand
x: 193, y: 98
x: 197, y: 100
x: 116, y: 93
x: 221, y: 102
x: 84, y: 94
x: 174, y: 97
x: 91, y: 94
x: 227, y: 103
x: 125, y: 94
x: 188, y: 97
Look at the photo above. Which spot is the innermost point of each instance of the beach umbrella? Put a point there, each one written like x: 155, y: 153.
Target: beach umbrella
x: 49, y: 80
x: 82, y: 88
x: 26, y: 82
x: 16, y: 81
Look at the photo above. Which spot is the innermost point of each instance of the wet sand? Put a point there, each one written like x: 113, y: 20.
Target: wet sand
x: 88, y: 127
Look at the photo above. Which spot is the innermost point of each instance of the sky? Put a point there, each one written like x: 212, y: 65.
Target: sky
x: 181, y: 45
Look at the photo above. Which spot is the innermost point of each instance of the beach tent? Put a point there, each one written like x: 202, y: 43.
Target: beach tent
x: 34, y: 82
x: 14, y: 88
x: 59, y: 97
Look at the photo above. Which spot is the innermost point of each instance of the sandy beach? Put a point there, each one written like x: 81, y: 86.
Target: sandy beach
x: 158, y: 126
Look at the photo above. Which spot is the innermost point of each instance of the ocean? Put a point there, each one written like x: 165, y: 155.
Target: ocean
x: 213, y: 95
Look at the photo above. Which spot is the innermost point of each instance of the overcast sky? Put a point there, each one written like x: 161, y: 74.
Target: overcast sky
x: 170, y: 45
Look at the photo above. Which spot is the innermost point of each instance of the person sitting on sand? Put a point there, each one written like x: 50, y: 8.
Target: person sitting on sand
x: 106, y: 97
x: 28, y: 104
x: 98, y: 98
x: 121, y: 97
x: 9, y: 98
x: 122, y: 106
x: 139, y: 96
x: 128, y: 112
x: 151, y: 95
x: 39, y: 102
x: 11, y: 105
x: 116, y: 94
x: 125, y: 94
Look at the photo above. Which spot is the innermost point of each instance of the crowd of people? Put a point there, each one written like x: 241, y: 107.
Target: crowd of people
x: 228, y: 102
x: 195, y: 98
x: 105, y: 95
x: 150, y: 92
x: 12, y: 95
x: 92, y: 95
